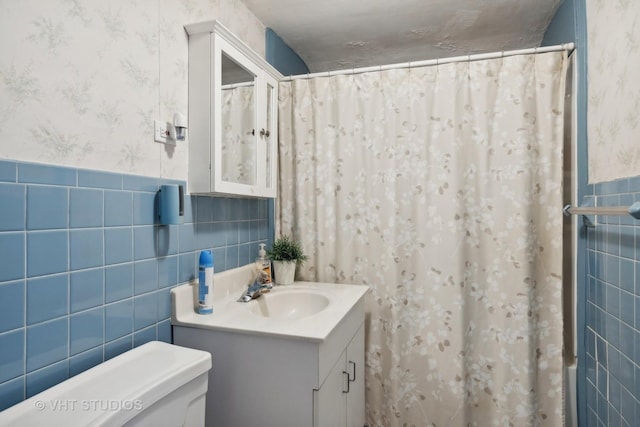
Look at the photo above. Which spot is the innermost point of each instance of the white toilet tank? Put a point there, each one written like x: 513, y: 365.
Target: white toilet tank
x: 156, y: 384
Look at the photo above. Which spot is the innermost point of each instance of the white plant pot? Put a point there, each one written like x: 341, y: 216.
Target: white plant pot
x: 284, y: 272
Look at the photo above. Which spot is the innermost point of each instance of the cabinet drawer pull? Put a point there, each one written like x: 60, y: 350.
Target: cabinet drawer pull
x: 348, y: 381
x: 354, y: 371
x: 264, y: 133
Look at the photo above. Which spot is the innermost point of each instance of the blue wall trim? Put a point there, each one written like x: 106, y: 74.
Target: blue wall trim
x: 86, y: 269
x: 281, y: 56
x: 562, y: 27
x: 570, y: 25
x: 580, y: 11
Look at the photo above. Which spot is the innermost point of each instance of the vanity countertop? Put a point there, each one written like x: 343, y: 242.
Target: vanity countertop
x: 240, y: 317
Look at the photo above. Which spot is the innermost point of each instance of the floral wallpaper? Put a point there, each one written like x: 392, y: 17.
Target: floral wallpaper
x: 81, y: 81
x: 614, y: 89
x: 441, y: 189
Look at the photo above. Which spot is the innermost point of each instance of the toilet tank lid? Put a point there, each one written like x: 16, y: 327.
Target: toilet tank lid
x: 117, y: 389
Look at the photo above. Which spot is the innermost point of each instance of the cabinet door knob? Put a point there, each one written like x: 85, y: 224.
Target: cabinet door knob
x: 348, y: 381
x: 264, y: 133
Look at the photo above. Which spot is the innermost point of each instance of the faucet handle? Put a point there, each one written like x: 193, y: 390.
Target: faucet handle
x: 254, y: 290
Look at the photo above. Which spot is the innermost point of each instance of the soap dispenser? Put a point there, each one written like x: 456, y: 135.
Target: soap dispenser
x: 263, y: 267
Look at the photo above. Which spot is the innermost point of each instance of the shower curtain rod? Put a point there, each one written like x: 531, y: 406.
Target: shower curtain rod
x: 633, y: 210
x: 429, y: 62
x: 237, y: 85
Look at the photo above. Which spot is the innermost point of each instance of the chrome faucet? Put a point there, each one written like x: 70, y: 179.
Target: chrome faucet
x: 255, y: 291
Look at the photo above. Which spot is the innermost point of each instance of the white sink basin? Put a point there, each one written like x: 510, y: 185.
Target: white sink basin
x: 289, y: 303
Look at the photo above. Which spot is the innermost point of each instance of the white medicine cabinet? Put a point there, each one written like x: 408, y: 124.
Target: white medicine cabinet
x: 233, y: 94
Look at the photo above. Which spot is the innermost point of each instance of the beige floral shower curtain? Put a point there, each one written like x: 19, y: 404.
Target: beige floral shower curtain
x: 440, y: 188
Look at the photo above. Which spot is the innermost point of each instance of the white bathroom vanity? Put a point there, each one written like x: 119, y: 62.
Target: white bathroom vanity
x: 293, y: 357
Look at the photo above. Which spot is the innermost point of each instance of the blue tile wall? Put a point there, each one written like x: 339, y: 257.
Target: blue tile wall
x: 612, y: 321
x: 12, y: 208
x: 8, y: 171
x: 86, y: 270
x: 48, y: 207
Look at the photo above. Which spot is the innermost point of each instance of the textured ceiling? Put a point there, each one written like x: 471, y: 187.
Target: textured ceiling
x: 337, y: 34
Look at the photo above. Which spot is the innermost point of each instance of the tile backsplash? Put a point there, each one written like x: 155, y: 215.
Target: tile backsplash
x: 86, y: 270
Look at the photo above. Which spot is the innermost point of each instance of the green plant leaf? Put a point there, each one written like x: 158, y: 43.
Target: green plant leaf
x: 286, y: 249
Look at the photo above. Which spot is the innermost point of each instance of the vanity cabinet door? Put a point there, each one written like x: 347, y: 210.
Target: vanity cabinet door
x: 355, y: 370
x: 331, y: 401
x: 340, y: 400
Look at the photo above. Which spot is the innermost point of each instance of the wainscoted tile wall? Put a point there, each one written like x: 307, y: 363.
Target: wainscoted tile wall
x: 85, y: 269
x: 612, y: 341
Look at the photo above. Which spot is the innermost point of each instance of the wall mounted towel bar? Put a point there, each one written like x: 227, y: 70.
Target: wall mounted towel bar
x: 633, y: 210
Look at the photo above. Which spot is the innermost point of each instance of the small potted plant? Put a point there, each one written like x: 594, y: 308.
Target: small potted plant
x: 286, y: 254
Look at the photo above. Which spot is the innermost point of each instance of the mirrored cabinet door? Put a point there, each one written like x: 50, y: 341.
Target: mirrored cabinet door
x: 271, y: 137
x: 239, y: 149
